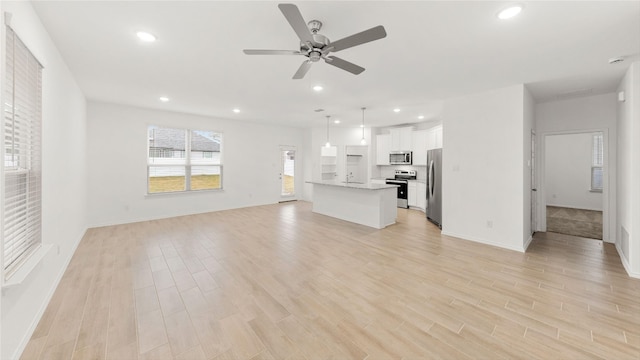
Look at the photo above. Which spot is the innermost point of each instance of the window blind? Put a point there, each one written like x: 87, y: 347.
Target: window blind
x: 22, y: 171
x: 597, y: 158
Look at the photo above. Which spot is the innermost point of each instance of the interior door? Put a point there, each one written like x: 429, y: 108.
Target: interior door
x: 287, y: 173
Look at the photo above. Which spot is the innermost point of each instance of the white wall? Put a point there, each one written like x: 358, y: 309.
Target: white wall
x: 568, y: 171
x: 628, y: 197
x: 64, y: 181
x: 339, y: 137
x: 483, y: 167
x: 528, y: 127
x: 584, y: 114
x: 117, y: 167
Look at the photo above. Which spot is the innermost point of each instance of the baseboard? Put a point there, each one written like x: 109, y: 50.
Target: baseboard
x: 528, y: 242
x: 482, y: 241
x: 626, y: 264
x: 27, y: 336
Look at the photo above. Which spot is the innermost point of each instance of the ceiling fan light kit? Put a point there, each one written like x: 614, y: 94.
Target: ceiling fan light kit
x: 316, y: 46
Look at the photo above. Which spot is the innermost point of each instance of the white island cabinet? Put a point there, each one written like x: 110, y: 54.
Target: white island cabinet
x: 373, y: 205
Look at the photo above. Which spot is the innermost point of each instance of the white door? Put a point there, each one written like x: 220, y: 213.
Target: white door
x: 287, y: 173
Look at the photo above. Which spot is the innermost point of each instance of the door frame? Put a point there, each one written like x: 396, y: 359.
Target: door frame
x: 281, y: 197
x: 608, y: 202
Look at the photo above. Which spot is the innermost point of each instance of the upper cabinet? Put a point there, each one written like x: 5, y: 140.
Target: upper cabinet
x: 401, y: 138
x: 405, y: 139
x: 424, y: 140
x: 419, y: 147
x: 434, y: 138
x: 383, y: 144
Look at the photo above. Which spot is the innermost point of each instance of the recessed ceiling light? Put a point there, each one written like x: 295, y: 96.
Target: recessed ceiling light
x: 421, y: 117
x: 336, y: 121
x: 317, y: 88
x: 509, y: 12
x: 236, y: 110
x: 396, y: 110
x: 361, y: 125
x: 163, y: 98
x: 145, y: 36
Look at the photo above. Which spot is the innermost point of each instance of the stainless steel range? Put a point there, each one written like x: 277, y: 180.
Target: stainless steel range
x: 401, y: 179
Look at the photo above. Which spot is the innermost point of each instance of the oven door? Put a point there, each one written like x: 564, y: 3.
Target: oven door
x: 402, y: 195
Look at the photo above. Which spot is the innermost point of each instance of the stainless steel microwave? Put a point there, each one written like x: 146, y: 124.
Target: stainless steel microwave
x: 400, y: 158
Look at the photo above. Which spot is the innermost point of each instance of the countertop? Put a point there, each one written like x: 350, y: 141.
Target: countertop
x: 365, y: 186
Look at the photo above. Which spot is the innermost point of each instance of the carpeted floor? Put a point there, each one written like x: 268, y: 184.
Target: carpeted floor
x: 577, y: 222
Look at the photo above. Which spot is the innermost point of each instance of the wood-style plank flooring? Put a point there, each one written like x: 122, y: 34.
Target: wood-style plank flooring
x: 280, y: 282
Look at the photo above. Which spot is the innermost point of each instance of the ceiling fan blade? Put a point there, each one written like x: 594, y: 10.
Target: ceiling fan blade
x: 271, y: 52
x: 295, y: 19
x: 344, y: 65
x: 302, y: 70
x: 363, y: 37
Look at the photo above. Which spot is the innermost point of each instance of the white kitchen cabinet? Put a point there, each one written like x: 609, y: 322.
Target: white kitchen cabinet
x: 412, y: 193
x: 422, y: 195
x: 401, y: 138
x: 383, y: 143
x: 434, y: 138
x: 419, y: 147
x: 438, y: 131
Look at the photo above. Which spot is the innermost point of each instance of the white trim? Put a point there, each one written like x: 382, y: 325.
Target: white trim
x: 32, y: 261
x: 22, y: 345
x: 528, y: 242
x: 607, y: 202
x: 483, y: 241
x: 626, y: 264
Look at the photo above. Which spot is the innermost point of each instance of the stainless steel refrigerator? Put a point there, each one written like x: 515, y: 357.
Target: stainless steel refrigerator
x: 434, y: 186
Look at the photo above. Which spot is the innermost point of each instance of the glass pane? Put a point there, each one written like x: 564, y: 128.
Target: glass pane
x: 205, y: 147
x: 288, y: 171
x: 596, y: 178
x: 597, y: 151
x: 206, y: 177
x: 166, y: 146
x: 166, y: 179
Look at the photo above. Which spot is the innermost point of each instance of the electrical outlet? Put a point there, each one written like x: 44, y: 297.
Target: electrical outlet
x: 490, y: 224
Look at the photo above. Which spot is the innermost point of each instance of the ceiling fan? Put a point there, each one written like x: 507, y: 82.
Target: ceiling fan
x: 316, y: 46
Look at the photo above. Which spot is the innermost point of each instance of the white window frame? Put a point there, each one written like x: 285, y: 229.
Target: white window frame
x: 597, y: 161
x: 21, y: 224
x: 188, y: 165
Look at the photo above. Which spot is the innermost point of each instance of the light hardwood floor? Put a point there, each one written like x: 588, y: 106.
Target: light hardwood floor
x: 280, y: 282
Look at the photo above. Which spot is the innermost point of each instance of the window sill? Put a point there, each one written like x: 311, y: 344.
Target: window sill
x: 595, y: 190
x: 23, y: 272
x: 181, y: 193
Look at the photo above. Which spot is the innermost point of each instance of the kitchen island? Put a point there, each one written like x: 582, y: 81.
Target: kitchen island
x: 373, y: 205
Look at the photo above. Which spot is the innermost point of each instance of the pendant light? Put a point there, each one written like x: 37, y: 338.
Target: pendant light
x: 363, y: 141
x: 328, y: 144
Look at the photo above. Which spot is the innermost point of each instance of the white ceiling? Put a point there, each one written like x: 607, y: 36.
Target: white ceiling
x: 434, y: 50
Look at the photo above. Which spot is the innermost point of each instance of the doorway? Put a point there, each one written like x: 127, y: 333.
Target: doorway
x: 287, y: 173
x: 575, y: 184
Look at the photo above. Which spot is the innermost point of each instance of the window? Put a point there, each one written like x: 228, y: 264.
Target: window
x: 183, y: 160
x: 22, y: 103
x: 597, y: 155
